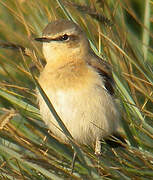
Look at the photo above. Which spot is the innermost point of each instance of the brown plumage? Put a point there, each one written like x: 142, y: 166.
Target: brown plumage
x: 78, y: 83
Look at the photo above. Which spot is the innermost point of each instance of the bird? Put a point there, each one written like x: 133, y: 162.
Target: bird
x: 79, y: 84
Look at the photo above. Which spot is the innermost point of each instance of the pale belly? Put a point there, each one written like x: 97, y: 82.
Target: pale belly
x: 87, y: 114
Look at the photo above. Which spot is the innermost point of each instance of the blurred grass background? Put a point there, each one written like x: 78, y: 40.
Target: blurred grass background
x: 120, y: 32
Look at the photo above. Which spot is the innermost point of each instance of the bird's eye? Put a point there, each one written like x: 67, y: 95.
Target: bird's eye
x: 65, y: 37
x: 62, y: 38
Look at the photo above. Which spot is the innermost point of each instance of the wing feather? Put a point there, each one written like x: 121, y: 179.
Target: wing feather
x: 104, y: 69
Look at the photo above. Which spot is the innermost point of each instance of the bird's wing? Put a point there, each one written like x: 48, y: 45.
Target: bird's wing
x: 104, y: 70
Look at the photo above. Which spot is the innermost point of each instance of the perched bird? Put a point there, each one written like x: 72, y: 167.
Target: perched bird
x: 78, y: 83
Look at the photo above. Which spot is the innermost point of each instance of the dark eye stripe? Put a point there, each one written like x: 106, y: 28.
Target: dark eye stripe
x: 65, y: 37
x: 62, y: 38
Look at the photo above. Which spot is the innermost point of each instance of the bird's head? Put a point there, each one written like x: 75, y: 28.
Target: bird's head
x: 63, y: 38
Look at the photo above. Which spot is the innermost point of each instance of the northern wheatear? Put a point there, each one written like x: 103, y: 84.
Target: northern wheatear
x: 78, y: 83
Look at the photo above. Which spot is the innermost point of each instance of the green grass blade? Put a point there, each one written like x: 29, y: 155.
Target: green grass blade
x: 146, y: 34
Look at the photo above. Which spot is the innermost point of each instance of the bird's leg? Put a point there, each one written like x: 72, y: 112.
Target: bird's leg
x: 98, y: 147
x: 98, y: 152
x: 73, y: 161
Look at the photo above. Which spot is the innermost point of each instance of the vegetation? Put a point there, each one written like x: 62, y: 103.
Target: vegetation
x: 120, y: 32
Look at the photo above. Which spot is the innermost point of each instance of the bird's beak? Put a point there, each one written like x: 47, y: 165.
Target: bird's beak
x: 43, y: 39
